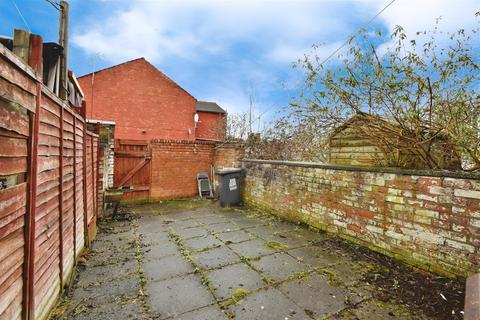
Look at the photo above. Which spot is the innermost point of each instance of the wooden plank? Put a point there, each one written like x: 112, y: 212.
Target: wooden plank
x: 17, y: 72
x: 13, y: 147
x: 9, y: 166
x: 14, y: 118
x: 13, y: 291
x: 130, y: 174
x: 126, y: 142
x: 131, y: 154
x: 12, y: 198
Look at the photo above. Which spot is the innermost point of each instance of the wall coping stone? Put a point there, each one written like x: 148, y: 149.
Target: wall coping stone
x: 188, y: 142
x: 410, y: 172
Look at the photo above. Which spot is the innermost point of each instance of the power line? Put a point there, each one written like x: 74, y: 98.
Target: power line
x: 21, y: 16
x: 54, y: 4
x: 357, y: 32
x: 345, y: 43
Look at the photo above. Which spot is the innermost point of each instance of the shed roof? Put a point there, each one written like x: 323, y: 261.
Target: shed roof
x: 212, y: 107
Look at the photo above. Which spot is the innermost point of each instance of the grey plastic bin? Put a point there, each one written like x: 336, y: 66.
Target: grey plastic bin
x: 230, y: 180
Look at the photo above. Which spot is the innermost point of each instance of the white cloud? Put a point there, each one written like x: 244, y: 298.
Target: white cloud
x: 193, y: 28
x: 418, y: 15
x: 247, y: 41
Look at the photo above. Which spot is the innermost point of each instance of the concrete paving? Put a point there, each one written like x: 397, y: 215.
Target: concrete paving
x: 206, y: 263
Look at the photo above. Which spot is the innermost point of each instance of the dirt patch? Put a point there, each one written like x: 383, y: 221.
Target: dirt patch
x: 435, y: 296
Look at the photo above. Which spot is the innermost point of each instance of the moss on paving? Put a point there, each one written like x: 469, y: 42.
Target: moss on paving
x: 276, y: 245
x: 239, y: 294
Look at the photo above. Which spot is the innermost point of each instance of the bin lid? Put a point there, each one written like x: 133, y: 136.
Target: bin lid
x: 229, y: 170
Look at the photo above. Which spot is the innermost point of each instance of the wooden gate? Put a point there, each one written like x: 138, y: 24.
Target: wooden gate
x: 132, y: 168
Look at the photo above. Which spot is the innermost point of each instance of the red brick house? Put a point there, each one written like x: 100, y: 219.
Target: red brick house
x: 211, y: 121
x: 145, y: 104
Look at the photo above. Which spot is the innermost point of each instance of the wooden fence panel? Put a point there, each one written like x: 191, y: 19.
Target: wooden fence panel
x: 13, y: 201
x: 47, y: 185
x: 68, y: 192
x: 79, y: 185
x: 17, y: 102
x: 47, y: 219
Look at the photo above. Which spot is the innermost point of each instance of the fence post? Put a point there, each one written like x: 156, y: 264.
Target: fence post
x: 60, y: 199
x: 94, y: 194
x: 29, y: 258
x: 74, y: 190
x: 85, y: 203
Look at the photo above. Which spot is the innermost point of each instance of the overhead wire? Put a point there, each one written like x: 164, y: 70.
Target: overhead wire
x: 21, y: 16
x: 357, y: 32
x: 54, y: 4
x: 348, y: 40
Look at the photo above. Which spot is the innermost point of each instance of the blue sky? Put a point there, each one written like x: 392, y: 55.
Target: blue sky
x: 223, y: 50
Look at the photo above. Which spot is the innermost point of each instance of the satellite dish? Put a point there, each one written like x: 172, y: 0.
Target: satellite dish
x: 195, y: 117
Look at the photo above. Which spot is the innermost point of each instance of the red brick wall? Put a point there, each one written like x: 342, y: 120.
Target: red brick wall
x: 144, y: 103
x: 228, y: 155
x: 429, y: 221
x: 211, y: 126
x: 175, y: 165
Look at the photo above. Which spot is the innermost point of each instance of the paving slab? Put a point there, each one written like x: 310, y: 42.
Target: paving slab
x: 213, y: 219
x: 222, y: 227
x: 172, y: 297
x: 312, y: 235
x: 269, y: 304
x: 252, y: 248
x: 157, y: 251
x: 167, y: 267
x: 291, y: 240
x: 226, y: 280
x: 212, y: 312
x: 103, y: 256
x: 315, y: 295
x: 152, y: 227
x: 215, y: 258
x: 114, y: 310
x: 106, y: 292
x: 179, y: 215
x: 192, y: 232
x: 155, y: 238
x: 314, y: 256
x: 118, y: 240
x: 101, y: 274
x: 284, y: 226
x: 279, y: 266
x: 202, y: 243
x: 264, y: 232
x: 246, y: 223
x: 185, y: 224
x: 234, y: 236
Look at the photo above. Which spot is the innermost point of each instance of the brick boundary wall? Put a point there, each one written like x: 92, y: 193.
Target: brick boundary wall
x: 175, y: 164
x: 428, y: 219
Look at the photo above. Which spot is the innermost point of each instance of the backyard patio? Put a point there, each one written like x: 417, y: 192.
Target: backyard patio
x: 195, y: 260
